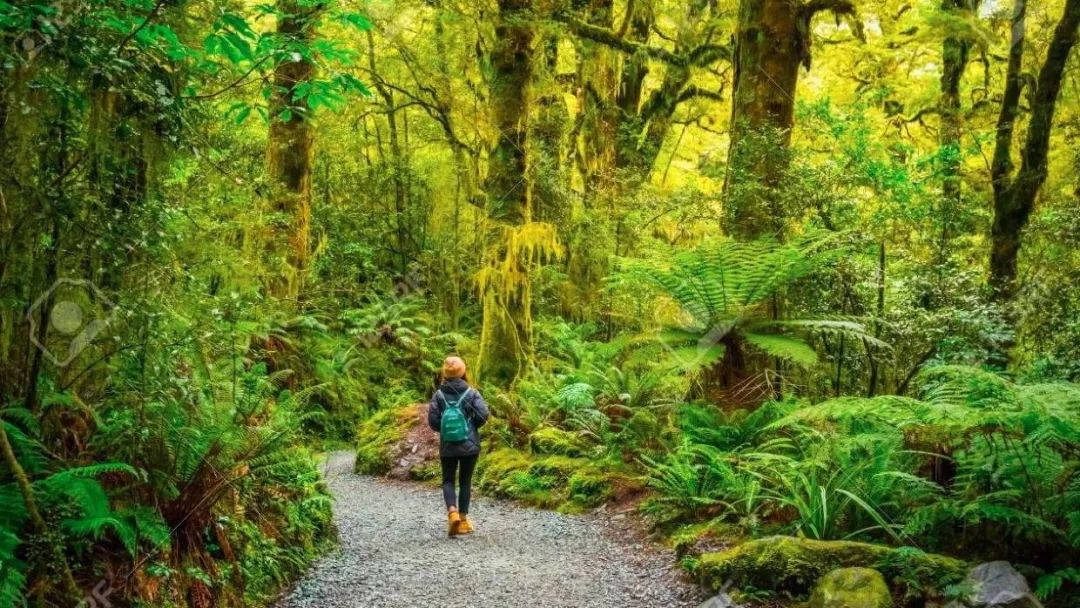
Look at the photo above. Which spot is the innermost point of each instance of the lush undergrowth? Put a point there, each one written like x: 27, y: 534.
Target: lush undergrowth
x: 819, y: 311
x: 972, y: 468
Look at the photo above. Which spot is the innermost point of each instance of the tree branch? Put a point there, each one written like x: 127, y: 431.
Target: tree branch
x: 693, y: 91
x: 700, y: 55
x: 1001, y: 165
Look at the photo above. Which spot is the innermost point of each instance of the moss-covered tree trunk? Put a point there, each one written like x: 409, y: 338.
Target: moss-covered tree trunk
x: 597, y: 86
x: 1015, y: 192
x: 628, y: 157
x: 505, y: 340
x: 772, y: 41
x: 290, y: 152
x: 955, y: 50
x: 768, y: 52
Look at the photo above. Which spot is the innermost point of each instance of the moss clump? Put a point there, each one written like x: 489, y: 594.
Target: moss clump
x: 554, y: 441
x: 428, y: 471
x: 851, y: 588
x: 785, y: 563
x: 693, y: 539
x: 558, y: 468
x: 378, y: 436
x: 589, y: 487
x: 493, y: 470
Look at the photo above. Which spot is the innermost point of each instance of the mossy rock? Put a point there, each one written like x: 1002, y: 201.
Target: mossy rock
x: 377, y: 437
x: 553, y: 441
x: 851, y: 588
x: 793, y: 565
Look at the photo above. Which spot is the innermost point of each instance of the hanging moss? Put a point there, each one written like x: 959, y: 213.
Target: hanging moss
x: 505, y: 287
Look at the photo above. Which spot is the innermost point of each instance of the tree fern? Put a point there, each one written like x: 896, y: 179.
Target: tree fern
x: 726, y: 295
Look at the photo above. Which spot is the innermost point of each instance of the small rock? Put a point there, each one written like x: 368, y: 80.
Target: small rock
x: 999, y: 585
x: 851, y: 588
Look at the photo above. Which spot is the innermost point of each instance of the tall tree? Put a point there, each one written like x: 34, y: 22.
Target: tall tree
x: 1015, y: 192
x: 640, y: 121
x: 290, y: 147
x: 955, y: 51
x: 772, y: 41
x: 506, y: 339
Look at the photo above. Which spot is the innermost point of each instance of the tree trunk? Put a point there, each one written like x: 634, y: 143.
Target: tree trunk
x: 771, y: 42
x: 399, y: 164
x: 290, y: 154
x: 598, y: 87
x: 511, y: 66
x: 1014, y: 195
x: 954, y: 53
x: 768, y: 52
x: 505, y: 341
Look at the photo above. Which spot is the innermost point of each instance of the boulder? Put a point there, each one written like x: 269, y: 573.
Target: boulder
x: 999, y: 585
x: 851, y: 588
x: 787, y: 563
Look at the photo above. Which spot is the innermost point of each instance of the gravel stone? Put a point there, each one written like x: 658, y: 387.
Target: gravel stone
x: 394, y: 552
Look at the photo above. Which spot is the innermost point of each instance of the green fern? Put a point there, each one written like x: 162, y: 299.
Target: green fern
x: 725, y: 293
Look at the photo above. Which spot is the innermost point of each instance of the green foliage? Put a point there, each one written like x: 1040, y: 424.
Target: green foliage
x: 377, y: 438
x: 134, y: 161
x: 727, y: 296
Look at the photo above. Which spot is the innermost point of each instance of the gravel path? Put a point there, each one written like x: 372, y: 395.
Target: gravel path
x: 394, y: 553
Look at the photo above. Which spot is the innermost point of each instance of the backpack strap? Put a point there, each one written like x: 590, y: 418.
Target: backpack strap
x: 460, y: 401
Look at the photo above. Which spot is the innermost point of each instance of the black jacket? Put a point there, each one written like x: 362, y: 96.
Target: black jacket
x: 476, y: 412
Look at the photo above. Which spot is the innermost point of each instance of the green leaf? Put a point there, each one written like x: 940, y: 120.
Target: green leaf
x: 785, y: 347
x: 356, y: 20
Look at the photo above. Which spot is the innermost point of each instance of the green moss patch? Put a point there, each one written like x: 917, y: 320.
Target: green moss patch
x: 559, y: 482
x: 554, y: 441
x: 794, y: 565
x: 851, y: 588
x: 377, y: 438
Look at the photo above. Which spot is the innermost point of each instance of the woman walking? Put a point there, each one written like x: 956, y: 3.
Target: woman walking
x: 456, y: 413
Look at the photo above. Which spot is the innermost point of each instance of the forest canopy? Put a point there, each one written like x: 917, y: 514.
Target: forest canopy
x: 783, y: 267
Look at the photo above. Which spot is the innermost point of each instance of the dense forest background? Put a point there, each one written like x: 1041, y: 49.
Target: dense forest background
x: 799, y: 267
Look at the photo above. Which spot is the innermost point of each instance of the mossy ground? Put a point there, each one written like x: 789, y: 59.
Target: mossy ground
x: 558, y: 482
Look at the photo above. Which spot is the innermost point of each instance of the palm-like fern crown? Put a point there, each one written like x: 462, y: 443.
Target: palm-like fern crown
x: 721, y: 282
x: 725, y: 287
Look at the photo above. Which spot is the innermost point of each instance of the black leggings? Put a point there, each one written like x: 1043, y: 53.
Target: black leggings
x: 449, y: 468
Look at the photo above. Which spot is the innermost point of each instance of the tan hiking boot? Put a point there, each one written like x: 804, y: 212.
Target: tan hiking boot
x: 465, y: 527
x: 455, y: 524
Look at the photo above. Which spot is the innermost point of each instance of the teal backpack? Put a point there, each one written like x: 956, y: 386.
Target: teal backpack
x: 455, y: 426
